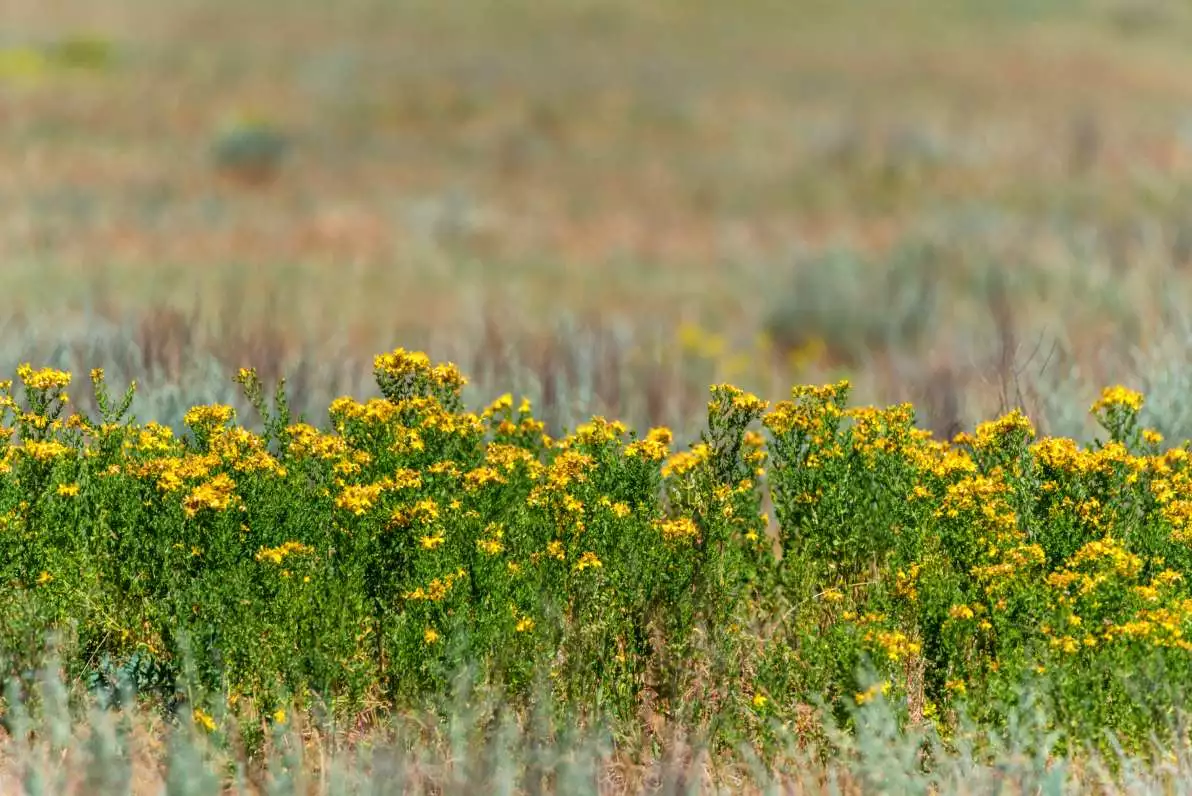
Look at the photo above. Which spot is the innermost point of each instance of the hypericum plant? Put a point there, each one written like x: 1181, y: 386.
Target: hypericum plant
x: 359, y: 565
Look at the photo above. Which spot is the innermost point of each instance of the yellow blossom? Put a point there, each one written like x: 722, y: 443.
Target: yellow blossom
x: 216, y: 494
x: 683, y: 528
x: 588, y: 560
x: 203, y: 719
x: 1118, y: 396
x: 44, y: 379
x: 278, y: 554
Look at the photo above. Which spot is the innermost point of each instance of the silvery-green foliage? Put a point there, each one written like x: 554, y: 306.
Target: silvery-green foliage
x: 471, y: 744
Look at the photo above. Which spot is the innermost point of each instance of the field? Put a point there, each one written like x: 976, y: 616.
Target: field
x: 605, y: 207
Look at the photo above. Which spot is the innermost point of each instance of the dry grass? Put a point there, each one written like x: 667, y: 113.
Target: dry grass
x: 598, y: 155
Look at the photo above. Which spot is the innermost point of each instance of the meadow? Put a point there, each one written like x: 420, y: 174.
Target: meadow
x: 578, y: 569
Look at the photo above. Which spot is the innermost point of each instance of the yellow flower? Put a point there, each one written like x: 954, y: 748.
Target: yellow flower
x: 832, y: 595
x: 203, y: 719
x: 430, y: 635
x: 682, y: 528
x: 588, y: 559
x: 599, y: 431
x: 216, y: 494
x: 44, y: 379
x: 480, y: 477
x: 424, y: 511
x: 759, y: 700
x: 1151, y: 437
x: 437, y: 589
x: 684, y: 462
x: 1118, y: 396
x: 431, y: 542
x: 737, y: 398
x: 654, y: 448
x: 68, y: 490
x: 920, y: 492
x: 359, y: 498
x: 44, y: 578
x: 493, y: 544
x: 524, y: 625
x: 45, y: 451
x: 869, y: 694
x: 554, y: 549
x: 278, y: 554
x: 209, y: 416
x: 279, y: 716
x: 1014, y: 422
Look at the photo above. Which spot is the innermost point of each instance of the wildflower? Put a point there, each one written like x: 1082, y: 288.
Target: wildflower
x: 871, y: 693
x: 1118, y: 396
x: 358, y: 499
x: 599, y: 431
x: 493, y: 544
x: 203, y: 719
x: 682, y: 528
x: 919, y: 492
x: 430, y: 636
x: 432, y: 542
x: 278, y: 554
x: 619, y: 510
x: 279, y: 716
x: 554, y: 549
x: 569, y: 467
x: 524, y: 625
x: 481, y: 477
x: 588, y: 560
x: 503, y: 404
x: 216, y: 494
x: 209, y: 416
x: 44, y: 379
x: 654, y: 448
x: 68, y: 490
x: 437, y: 589
x: 1010, y: 425
x: 1151, y: 437
x: 685, y: 462
x: 759, y: 700
x: 736, y: 398
x: 44, y: 578
x: 45, y: 451
x: 423, y: 511
x: 894, y: 643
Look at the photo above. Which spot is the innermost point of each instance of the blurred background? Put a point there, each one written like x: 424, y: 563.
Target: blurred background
x: 606, y: 205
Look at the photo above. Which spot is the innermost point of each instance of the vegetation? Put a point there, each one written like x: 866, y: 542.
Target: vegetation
x: 978, y: 210
x: 238, y: 579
